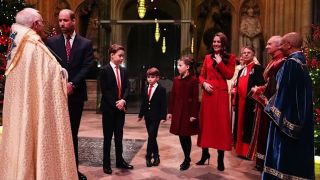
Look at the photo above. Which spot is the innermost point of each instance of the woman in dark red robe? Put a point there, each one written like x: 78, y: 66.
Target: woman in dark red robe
x: 215, y: 122
x: 248, y: 77
x: 183, y: 108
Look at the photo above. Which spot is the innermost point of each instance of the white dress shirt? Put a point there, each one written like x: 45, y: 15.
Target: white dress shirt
x: 153, y: 89
x: 73, y: 35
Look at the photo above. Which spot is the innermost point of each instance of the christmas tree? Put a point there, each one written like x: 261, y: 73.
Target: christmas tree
x: 312, y: 53
x: 8, y: 11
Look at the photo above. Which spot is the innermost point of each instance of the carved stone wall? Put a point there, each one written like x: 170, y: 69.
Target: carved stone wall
x: 277, y: 17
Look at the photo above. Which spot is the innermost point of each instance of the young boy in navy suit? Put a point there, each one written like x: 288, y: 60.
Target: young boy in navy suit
x: 113, y: 82
x: 153, y: 109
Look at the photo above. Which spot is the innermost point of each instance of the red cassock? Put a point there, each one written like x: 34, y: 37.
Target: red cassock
x: 215, y: 121
x: 184, y: 104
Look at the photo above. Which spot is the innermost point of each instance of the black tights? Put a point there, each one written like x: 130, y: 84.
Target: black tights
x: 185, y: 142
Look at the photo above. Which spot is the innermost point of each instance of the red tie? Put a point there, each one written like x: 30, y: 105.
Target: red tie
x: 118, y: 82
x: 68, y: 47
x: 150, y: 90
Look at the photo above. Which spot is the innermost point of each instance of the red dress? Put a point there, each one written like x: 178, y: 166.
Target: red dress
x: 184, y: 104
x: 215, y: 122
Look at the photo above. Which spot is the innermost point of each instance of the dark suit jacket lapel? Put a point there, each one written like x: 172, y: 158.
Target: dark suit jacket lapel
x: 112, y: 75
x: 73, y: 48
x: 122, y: 76
x: 155, y: 93
x: 62, y: 50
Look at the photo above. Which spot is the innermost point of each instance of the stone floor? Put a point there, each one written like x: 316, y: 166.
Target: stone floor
x: 170, y: 153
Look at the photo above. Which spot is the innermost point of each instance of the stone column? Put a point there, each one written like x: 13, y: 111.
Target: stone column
x: 185, y: 27
x: 115, y: 14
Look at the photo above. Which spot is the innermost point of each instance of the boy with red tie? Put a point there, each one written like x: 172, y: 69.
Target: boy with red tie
x: 153, y: 109
x: 113, y: 81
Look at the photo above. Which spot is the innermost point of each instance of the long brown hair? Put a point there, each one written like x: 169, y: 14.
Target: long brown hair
x: 224, y: 42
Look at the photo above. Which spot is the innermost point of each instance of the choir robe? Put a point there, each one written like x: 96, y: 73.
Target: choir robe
x: 244, y: 110
x: 261, y: 127
x: 290, y: 148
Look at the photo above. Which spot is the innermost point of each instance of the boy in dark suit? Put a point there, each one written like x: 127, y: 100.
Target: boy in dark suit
x: 154, y: 110
x: 113, y: 81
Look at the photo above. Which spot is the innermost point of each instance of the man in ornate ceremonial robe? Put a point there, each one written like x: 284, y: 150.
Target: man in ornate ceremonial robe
x: 36, y: 142
x: 261, y: 94
x: 248, y: 77
x: 290, y: 148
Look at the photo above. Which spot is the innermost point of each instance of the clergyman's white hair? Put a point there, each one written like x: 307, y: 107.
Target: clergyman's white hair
x: 28, y: 16
x: 277, y: 39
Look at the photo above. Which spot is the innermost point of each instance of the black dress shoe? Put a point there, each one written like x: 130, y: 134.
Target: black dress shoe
x: 259, y: 168
x: 185, y: 164
x: 81, y: 176
x: 156, y: 161
x: 107, y: 169
x: 123, y: 165
x: 148, y: 162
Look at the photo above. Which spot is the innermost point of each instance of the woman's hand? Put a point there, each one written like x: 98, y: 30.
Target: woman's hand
x: 217, y: 58
x: 169, y: 117
x: 207, y: 87
x: 192, y: 119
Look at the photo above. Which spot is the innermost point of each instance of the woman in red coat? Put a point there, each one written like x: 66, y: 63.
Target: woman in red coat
x: 183, y: 108
x: 215, y: 122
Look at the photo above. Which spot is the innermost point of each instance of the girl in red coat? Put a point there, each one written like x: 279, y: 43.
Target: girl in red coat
x: 215, y: 122
x: 183, y: 108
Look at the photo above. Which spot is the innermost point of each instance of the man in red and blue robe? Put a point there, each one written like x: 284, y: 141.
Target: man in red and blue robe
x: 290, y: 147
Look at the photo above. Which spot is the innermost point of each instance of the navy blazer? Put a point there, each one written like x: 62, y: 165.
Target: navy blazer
x: 109, y: 87
x: 81, y: 61
x: 156, y: 108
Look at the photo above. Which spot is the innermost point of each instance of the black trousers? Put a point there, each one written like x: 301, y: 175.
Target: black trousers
x: 152, y: 129
x: 75, y: 112
x: 112, y: 122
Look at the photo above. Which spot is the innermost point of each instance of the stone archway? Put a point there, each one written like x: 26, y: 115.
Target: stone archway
x: 117, y: 14
x: 141, y: 49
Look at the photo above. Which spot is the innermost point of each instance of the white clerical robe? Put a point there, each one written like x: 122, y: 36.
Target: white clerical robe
x: 36, y: 142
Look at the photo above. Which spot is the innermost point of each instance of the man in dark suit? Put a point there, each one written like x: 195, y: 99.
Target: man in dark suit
x: 113, y: 79
x: 154, y: 110
x: 75, y: 55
